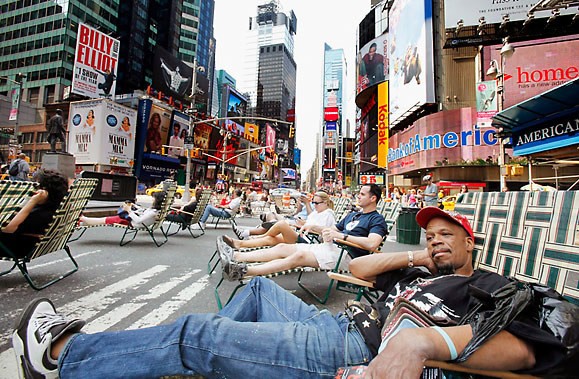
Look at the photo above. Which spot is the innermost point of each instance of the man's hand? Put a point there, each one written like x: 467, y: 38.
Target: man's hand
x: 329, y: 235
x: 424, y: 258
x: 127, y: 207
x: 403, y: 357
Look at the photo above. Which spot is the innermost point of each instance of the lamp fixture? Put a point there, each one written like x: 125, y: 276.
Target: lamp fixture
x: 493, y: 71
x: 459, y: 26
x: 481, y: 23
x: 530, y: 17
x: 507, y: 50
x: 505, y: 21
x: 554, y: 14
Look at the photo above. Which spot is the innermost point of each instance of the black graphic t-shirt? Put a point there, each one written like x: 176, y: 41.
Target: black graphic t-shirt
x: 447, y: 297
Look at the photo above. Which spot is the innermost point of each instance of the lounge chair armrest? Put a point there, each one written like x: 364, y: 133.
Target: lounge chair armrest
x: 492, y: 373
x: 181, y: 211
x: 350, y: 279
x: 351, y: 244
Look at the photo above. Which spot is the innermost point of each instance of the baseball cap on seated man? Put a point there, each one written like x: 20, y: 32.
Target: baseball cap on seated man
x: 426, y: 214
x: 427, y: 178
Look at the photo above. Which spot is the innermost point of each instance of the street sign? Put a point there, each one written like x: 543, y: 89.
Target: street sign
x: 188, y: 146
x: 188, y: 141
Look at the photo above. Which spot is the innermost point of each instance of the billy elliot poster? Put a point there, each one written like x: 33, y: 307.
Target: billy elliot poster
x: 95, y: 63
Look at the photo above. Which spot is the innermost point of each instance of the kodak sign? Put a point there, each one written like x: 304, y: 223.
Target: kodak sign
x: 383, y: 124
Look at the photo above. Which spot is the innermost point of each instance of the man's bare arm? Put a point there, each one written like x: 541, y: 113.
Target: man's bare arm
x: 406, y: 353
x: 370, y: 266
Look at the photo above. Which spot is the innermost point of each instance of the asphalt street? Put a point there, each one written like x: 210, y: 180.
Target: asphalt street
x: 137, y: 285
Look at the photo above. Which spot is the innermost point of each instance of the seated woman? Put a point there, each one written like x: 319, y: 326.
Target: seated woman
x: 137, y: 216
x: 25, y: 229
x: 185, y: 213
x: 282, y: 232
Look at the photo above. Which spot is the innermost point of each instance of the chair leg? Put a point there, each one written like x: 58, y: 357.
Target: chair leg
x: 128, y: 231
x: 24, y: 270
x: 152, y: 234
x: 218, y: 298
x: 8, y: 271
x: 171, y: 223
x: 82, y: 231
x: 210, y: 268
x: 321, y: 300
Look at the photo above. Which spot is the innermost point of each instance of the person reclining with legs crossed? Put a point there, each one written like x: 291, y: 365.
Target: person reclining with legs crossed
x: 267, y: 332
x: 366, y: 229
x: 282, y: 232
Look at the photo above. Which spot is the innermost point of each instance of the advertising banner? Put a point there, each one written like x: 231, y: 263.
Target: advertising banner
x: 372, y: 63
x: 330, y: 139
x: 450, y: 136
x: 251, y: 132
x: 177, y: 133
x: 487, y: 103
x: 411, y: 60
x: 170, y: 75
x: 102, y: 132
x: 95, y: 63
x: 383, y: 125
x: 15, y: 94
x: 492, y: 10
x: 376, y: 178
x: 331, y: 126
x: 157, y: 129
x: 269, y: 138
x: 202, y: 136
x: 544, y: 137
x: 537, y: 67
x: 331, y: 114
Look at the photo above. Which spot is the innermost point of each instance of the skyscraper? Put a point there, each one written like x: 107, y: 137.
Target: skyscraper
x: 333, y: 130
x: 269, y: 78
x: 39, y: 40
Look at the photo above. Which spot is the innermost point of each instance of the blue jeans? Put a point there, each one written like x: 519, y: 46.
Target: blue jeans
x: 210, y: 210
x: 263, y: 332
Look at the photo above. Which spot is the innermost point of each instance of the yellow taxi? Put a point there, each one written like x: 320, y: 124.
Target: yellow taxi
x: 448, y: 202
x: 178, y: 194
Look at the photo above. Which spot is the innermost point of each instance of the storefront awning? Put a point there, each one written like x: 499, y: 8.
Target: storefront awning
x: 546, y: 122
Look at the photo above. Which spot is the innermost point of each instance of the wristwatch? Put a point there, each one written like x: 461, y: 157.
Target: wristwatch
x: 345, y: 237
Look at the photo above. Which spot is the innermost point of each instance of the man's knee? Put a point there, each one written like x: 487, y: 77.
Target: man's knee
x: 299, y: 257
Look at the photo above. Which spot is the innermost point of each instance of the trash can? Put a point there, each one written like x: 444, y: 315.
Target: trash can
x: 407, y: 229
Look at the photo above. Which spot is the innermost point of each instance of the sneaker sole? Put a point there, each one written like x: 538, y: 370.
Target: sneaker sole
x: 25, y: 371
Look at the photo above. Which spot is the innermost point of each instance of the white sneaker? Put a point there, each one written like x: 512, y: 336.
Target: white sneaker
x: 245, y: 233
x: 35, y: 331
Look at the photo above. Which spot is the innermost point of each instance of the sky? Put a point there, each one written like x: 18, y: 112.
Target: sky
x: 319, y: 21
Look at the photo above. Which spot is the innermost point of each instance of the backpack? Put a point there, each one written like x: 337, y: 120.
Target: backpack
x: 14, y: 168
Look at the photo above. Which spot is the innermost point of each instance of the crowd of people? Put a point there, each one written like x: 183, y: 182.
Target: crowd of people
x: 282, y: 335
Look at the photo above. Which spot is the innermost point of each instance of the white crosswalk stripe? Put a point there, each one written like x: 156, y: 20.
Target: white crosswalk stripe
x: 103, y: 311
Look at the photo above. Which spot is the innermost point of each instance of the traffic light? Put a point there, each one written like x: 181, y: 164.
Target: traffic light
x: 292, y: 131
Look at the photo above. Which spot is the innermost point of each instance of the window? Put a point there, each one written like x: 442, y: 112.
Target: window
x: 33, y: 95
x: 41, y: 137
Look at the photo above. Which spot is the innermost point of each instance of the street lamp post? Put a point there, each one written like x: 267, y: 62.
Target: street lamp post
x: 14, y: 117
x: 189, y: 145
x: 495, y: 72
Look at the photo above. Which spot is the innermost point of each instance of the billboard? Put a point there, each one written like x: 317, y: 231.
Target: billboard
x: 383, y: 125
x: 331, y: 114
x: 492, y: 10
x: 411, y: 60
x: 372, y: 63
x: 178, y: 131
x: 157, y: 129
x: 371, y: 178
x: 251, y: 132
x: 102, y: 132
x: 236, y: 104
x: 451, y: 136
x: 270, y: 138
x: 170, y: 75
x: 95, y: 63
x: 202, y: 136
x: 536, y: 67
x: 487, y: 104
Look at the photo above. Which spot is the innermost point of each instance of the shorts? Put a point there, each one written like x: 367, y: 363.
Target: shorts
x: 116, y: 220
x: 327, y: 255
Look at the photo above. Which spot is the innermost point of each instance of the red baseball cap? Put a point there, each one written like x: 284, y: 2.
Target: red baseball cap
x: 426, y: 214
